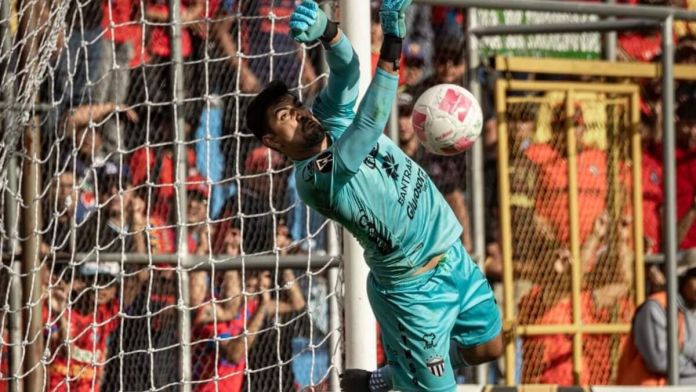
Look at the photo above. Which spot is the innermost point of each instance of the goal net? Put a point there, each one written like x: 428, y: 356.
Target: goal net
x: 148, y: 241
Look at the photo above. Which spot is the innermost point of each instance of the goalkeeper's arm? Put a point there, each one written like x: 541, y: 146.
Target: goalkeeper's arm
x: 308, y: 24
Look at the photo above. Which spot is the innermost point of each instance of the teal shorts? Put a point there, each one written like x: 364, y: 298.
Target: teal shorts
x: 421, y: 315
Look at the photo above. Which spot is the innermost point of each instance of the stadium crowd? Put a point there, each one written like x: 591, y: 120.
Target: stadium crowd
x: 110, y: 153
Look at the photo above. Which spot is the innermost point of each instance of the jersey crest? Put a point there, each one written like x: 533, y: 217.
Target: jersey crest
x: 324, y: 162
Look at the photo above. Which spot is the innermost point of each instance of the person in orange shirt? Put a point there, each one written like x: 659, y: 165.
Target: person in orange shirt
x: 552, y: 194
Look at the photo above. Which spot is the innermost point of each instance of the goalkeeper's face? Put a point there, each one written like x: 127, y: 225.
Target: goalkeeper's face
x: 292, y: 129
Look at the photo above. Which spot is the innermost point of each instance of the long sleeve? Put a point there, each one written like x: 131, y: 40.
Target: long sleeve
x: 336, y: 103
x: 371, y: 118
x: 650, y: 338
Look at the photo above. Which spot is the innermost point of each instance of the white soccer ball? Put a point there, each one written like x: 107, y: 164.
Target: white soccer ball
x: 447, y: 119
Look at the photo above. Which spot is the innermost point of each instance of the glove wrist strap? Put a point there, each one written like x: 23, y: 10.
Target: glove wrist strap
x: 329, y: 33
x: 391, y: 50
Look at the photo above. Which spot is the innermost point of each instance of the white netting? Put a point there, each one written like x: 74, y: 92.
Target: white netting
x: 119, y: 300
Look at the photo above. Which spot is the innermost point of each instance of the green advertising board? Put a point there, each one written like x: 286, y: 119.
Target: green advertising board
x: 575, y: 45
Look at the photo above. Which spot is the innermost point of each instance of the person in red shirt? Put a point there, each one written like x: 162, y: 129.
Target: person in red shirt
x: 84, y: 313
x: 686, y: 167
x: 236, y: 321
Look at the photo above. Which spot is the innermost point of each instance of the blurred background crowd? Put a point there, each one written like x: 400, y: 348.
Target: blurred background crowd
x: 108, y: 153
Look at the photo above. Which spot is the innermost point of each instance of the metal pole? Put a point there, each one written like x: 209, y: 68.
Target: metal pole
x: 670, y: 219
x: 31, y: 266
x: 475, y: 175
x: 561, y: 28
x: 360, y: 330
x: 177, y: 77
x: 33, y: 368
x: 11, y: 221
x: 637, y: 177
x: 334, y: 310
x: 610, y: 39
x: 505, y: 232
x: 571, y: 7
x: 15, y: 328
x: 573, y: 213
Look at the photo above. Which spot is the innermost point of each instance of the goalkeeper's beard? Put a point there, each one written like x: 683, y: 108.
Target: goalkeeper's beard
x: 312, y: 131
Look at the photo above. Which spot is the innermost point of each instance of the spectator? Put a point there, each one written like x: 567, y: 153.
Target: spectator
x: 271, y: 355
x: 238, y: 322
x: 88, y: 153
x: 149, y: 334
x: 224, y: 46
x: 644, y: 357
x: 262, y: 197
x: 82, y: 60
x: 449, y: 64
x: 448, y: 21
x: 274, y: 55
x: 118, y: 224
x: 156, y: 165
x: 604, y: 298
x: 122, y: 49
x: 447, y: 172
x: 686, y: 166
x: 86, y: 311
x: 59, y: 214
x: 420, y: 35
x: 551, y: 191
x: 414, y: 68
x: 652, y: 184
x: 200, y: 232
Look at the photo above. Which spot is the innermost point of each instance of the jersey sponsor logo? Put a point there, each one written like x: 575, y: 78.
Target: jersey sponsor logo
x: 405, y: 182
x: 391, y: 167
x: 436, y: 366
x: 324, y: 162
x: 371, y: 158
x: 375, y: 231
x: 421, y: 185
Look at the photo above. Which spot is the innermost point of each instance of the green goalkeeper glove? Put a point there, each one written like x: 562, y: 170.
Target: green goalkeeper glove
x: 308, y: 23
x: 392, y: 14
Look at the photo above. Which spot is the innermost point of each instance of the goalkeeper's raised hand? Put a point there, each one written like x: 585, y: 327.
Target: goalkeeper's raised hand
x: 392, y: 14
x: 309, y: 23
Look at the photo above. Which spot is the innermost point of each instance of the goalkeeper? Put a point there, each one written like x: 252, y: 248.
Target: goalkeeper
x: 435, y: 307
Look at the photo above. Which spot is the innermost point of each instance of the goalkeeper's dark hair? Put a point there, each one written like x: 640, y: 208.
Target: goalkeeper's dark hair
x: 256, y: 120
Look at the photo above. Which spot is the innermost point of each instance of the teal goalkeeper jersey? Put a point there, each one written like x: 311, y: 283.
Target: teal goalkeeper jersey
x: 366, y: 183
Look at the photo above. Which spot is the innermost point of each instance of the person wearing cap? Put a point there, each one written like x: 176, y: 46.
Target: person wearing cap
x: 686, y: 166
x: 644, y: 357
x: 431, y: 300
x: 84, y: 312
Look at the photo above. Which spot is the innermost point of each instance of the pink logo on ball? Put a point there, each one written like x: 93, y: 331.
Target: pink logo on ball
x: 418, y: 119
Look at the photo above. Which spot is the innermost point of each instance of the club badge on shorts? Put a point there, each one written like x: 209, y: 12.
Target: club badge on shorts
x: 436, y: 366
